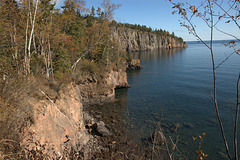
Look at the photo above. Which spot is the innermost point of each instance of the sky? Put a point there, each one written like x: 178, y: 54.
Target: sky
x: 158, y: 14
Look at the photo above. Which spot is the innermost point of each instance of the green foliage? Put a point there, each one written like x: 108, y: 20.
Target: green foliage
x: 90, y: 20
x: 99, y: 12
x: 92, y: 11
x: 76, y: 30
x: 46, y: 7
x: 88, y: 66
x: 6, y: 64
x: 61, y: 63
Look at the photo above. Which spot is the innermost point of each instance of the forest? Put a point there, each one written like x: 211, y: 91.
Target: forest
x: 38, y: 38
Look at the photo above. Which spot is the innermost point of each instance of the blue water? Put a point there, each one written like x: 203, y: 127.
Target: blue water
x: 175, y: 86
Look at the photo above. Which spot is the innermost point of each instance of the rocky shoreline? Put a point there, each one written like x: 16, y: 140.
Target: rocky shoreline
x: 117, y: 138
x: 109, y: 132
x: 60, y: 127
x: 65, y: 121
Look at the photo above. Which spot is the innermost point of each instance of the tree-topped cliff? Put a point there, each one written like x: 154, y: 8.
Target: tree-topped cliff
x: 134, y: 38
x: 144, y: 28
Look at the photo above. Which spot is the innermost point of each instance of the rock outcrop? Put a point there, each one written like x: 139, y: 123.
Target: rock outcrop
x: 57, y: 125
x: 134, y: 40
x: 135, y: 64
x: 101, y: 91
x: 59, y: 122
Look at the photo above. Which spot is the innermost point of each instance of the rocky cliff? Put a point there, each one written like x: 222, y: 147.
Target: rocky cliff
x: 58, y: 121
x: 99, y: 91
x: 133, y: 40
x: 58, y: 124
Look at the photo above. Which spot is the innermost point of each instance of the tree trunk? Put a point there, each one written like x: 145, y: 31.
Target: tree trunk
x: 31, y: 35
x: 26, y: 44
x: 236, y: 122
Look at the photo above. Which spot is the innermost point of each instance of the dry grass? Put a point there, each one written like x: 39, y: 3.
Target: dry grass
x: 16, y: 111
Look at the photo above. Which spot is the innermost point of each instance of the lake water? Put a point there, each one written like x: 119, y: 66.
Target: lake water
x: 174, y: 87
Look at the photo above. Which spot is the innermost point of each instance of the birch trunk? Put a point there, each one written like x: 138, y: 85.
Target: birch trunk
x: 31, y: 35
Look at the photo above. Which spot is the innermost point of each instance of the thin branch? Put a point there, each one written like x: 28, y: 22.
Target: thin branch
x: 227, y: 13
x: 57, y: 108
x: 75, y: 64
x: 236, y: 121
x: 174, y: 145
x: 224, y: 60
x: 169, y: 154
x: 214, y: 84
x: 193, y: 30
x: 153, y: 147
x: 227, y: 34
x: 197, y: 9
x: 224, y: 15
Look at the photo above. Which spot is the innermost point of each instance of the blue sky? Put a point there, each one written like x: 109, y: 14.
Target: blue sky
x: 158, y: 14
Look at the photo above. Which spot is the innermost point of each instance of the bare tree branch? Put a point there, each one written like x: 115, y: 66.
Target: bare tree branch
x: 75, y: 64
x: 236, y: 121
x: 224, y: 60
x: 57, y: 108
x: 214, y: 85
x: 227, y: 34
x: 227, y: 13
x: 224, y: 15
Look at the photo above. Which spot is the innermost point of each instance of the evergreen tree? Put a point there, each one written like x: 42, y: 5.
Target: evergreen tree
x: 92, y: 12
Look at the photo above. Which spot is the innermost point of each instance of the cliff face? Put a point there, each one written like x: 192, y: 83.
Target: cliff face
x: 134, y: 40
x: 58, y: 122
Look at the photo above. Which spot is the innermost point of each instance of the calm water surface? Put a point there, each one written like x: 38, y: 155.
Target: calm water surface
x: 174, y: 87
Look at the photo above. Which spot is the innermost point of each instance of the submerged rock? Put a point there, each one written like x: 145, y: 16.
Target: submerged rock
x: 99, y: 116
x: 188, y: 125
x: 102, y: 130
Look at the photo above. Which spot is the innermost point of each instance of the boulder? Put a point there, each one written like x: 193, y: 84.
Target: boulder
x: 102, y: 130
x: 134, y: 64
x: 87, y: 118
